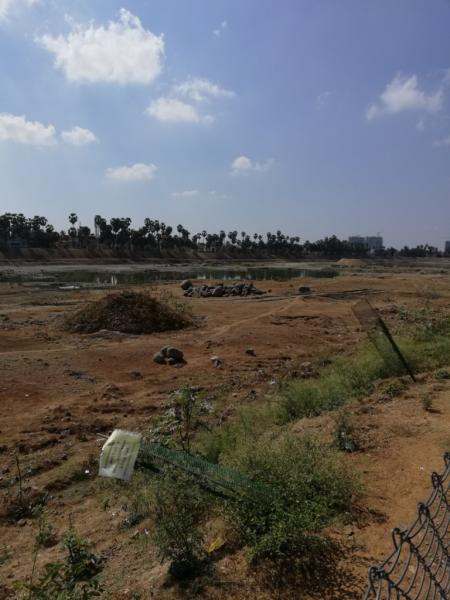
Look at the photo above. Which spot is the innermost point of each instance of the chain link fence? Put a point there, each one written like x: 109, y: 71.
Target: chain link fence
x: 381, y: 338
x: 419, y: 566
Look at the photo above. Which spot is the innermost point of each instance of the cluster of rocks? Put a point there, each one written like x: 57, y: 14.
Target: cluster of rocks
x: 168, y: 355
x: 219, y: 290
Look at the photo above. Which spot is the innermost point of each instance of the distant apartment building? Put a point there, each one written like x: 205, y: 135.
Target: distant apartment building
x: 372, y: 242
x: 447, y: 247
x: 357, y: 239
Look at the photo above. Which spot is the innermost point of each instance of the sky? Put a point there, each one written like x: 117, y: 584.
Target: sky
x: 316, y: 117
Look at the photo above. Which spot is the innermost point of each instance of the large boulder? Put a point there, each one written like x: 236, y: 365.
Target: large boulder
x: 159, y: 358
x: 186, y: 284
x: 174, y: 353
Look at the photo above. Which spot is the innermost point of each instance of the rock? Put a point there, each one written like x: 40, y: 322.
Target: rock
x: 218, y: 292
x: 304, y: 289
x: 159, y: 358
x: 250, y: 352
x: 163, y: 351
x: 174, y: 353
x: 172, y: 361
x: 216, y: 362
x: 186, y: 284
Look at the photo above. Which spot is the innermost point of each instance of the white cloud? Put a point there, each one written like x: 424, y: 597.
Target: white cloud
x: 186, y: 194
x: 180, y: 105
x: 443, y: 142
x: 217, y: 195
x: 172, y: 110
x: 137, y: 172
x: 201, y: 90
x: 403, y: 93
x: 122, y: 52
x: 77, y: 136
x: 17, y: 129
x: 7, y: 7
x: 321, y: 99
x: 242, y: 165
x: 222, y: 27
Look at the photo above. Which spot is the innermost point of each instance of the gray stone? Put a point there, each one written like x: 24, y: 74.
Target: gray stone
x: 216, y: 362
x: 250, y: 352
x: 218, y: 291
x: 174, y: 353
x: 186, y: 284
x: 159, y: 358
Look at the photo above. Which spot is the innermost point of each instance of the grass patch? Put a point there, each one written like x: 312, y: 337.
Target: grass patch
x: 336, y: 384
x: 130, y: 312
x: 425, y: 344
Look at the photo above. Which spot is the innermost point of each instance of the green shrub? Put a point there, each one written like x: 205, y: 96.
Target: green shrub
x: 248, y: 424
x: 393, y: 388
x: 344, y: 433
x: 45, y: 536
x: 442, y: 375
x: 75, y: 579
x: 310, y: 488
x: 179, y: 507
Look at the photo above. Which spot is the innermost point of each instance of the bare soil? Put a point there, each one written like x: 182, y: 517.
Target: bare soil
x: 60, y: 392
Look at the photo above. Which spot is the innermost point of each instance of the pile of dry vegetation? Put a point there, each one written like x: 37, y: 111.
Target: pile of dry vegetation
x: 130, y: 312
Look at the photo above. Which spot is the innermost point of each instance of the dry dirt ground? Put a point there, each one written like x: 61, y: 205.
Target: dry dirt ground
x: 60, y: 392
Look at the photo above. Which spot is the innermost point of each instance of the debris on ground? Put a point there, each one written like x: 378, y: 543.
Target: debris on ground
x: 220, y: 290
x: 304, y: 289
x: 216, y: 362
x: 128, y: 312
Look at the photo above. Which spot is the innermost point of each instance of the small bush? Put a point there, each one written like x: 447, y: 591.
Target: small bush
x: 393, y: 388
x: 442, y: 375
x: 310, y: 488
x: 45, y: 536
x: 427, y: 403
x: 344, y: 433
x: 179, y: 506
x: 130, y: 312
x: 74, y: 579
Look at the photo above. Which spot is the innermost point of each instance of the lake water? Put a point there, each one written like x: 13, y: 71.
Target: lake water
x: 112, y: 278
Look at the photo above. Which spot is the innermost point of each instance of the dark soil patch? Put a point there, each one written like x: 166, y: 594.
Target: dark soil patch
x: 129, y: 312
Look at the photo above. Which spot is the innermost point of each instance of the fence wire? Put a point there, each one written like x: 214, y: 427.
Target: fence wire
x: 216, y: 477
x: 419, y: 566
x: 381, y: 338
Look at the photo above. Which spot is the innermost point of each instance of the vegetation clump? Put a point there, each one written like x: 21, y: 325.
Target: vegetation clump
x: 310, y: 488
x: 179, y: 507
x: 130, y: 312
x: 74, y: 579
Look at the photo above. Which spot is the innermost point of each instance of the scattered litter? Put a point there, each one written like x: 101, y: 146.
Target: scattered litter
x: 119, y: 455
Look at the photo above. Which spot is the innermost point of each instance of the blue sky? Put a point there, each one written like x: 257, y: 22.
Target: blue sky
x: 310, y: 116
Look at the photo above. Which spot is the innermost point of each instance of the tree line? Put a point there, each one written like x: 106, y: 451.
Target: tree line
x: 117, y: 234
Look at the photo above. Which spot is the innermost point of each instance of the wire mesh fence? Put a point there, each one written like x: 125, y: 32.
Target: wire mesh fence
x: 381, y: 338
x: 216, y: 477
x: 419, y: 566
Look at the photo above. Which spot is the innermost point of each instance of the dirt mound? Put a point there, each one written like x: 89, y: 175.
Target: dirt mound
x: 351, y: 262
x: 129, y: 312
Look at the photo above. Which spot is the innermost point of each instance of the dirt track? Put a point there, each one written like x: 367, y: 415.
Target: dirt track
x: 59, y: 391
